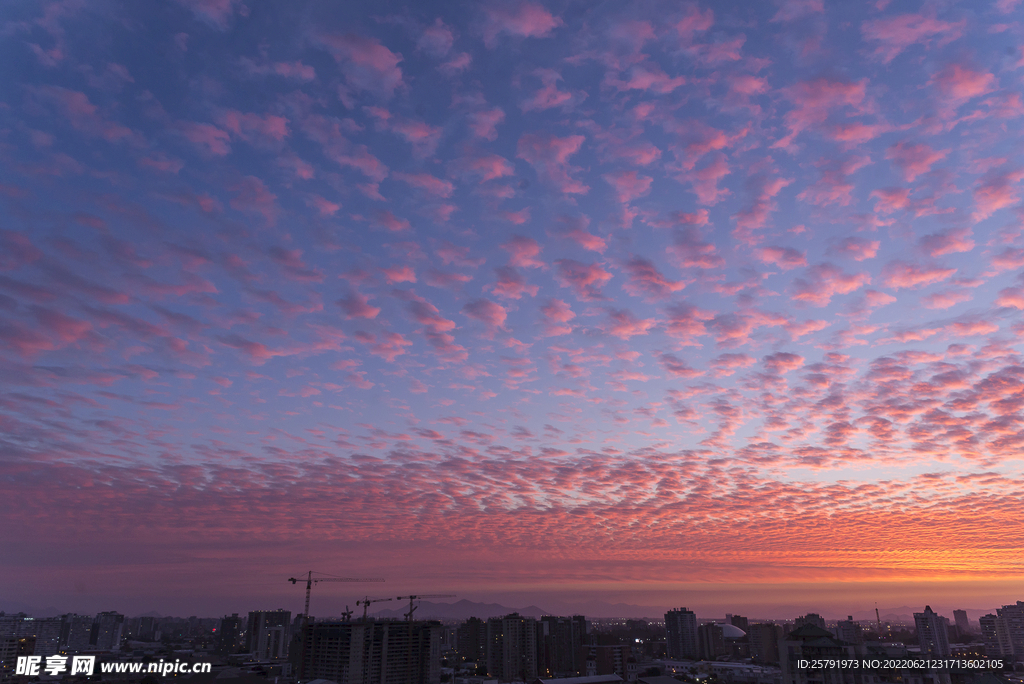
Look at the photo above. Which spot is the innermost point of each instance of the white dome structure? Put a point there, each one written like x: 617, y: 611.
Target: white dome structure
x: 730, y: 631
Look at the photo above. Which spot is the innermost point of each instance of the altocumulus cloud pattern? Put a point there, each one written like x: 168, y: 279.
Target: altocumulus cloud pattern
x: 510, y: 292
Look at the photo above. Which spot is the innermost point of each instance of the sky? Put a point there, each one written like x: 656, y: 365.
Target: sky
x: 662, y: 303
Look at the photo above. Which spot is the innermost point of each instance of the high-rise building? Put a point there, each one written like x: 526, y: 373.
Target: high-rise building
x: 267, y: 633
x: 372, y: 652
x: 764, y: 642
x: 559, y: 640
x: 512, y: 648
x: 75, y: 633
x: 147, y: 628
x: 996, y: 636
x: 40, y: 636
x: 471, y: 639
x: 932, y: 633
x: 849, y: 631
x: 1013, y: 620
x: 610, y: 659
x: 681, y: 634
x: 963, y: 626
x: 811, y: 642
x: 229, y: 634
x: 738, y: 621
x: 810, y: 619
x: 106, y: 631
x: 711, y: 641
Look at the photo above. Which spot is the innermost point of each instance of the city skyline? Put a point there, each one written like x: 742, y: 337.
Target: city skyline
x: 714, y: 304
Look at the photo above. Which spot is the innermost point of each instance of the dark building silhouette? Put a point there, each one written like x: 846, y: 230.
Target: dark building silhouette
x: 559, y: 640
x: 373, y: 652
x: 471, y: 640
x: 267, y: 633
x: 681, y: 634
x: 764, y: 642
x: 512, y: 648
x: 229, y: 635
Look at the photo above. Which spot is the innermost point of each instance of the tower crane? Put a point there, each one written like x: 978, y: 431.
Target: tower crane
x: 415, y: 597
x: 365, y: 603
x: 310, y: 581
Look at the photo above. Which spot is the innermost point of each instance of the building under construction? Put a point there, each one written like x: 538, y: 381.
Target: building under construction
x: 373, y: 652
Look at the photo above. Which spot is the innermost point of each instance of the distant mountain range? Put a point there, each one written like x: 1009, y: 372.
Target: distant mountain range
x: 460, y: 610
x: 464, y: 609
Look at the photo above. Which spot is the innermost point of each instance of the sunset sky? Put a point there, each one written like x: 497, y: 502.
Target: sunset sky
x: 713, y: 304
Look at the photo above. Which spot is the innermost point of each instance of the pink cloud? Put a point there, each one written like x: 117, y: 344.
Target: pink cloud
x: 677, y: 367
x: 797, y: 330
x: 253, y: 127
x: 694, y: 21
x: 755, y: 216
x: 958, y: 83
x: 587, y: 240
x: 995, y: 192
x: 83, y: 115
x: 874, y: 298
x: 517, y: 19
x: 628, y: 185
x: 785, y: 258
x: 689, y: 250
x: 511, y: 284
x: 323, y: 205
x: 216, y: 13
x: 549, y: 156
x: 795, y: 10
x: 212, y: 139
x: 1008, y: 259
x: 727, y: 364
x: 436, y: 39
x: 523, y: 252
x: 902, y: 274
x: 857, y: 249
x: 686, y: 322
x: 556, y: 316
x: 891, y: 200
x: 16, y: 250
x: 385, y: 219
x: 484, y: 123
x: 487, y: 167
x: 948, y: 241
x: 435, y: 327
x: 945, y: 299
x: 783, y: 362
x: 359, y: 158
x: 893, y: 35
x: 914, y: 160
x: 432, y: 185
x: 387, y: 346
x: 365, y: 62
x: 586, y: 280
x: 824, y: 281
x: 646, y: 76
x: 356, y: 306
x: 645, y: 280
x: 549, y: 96
x: 399, y: 274
x: 487, y: 312
x: 253, y: 196
x: 814, y: 100
x: 624, y: 325
x: 705, y: 180
x: 1011, y: 296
